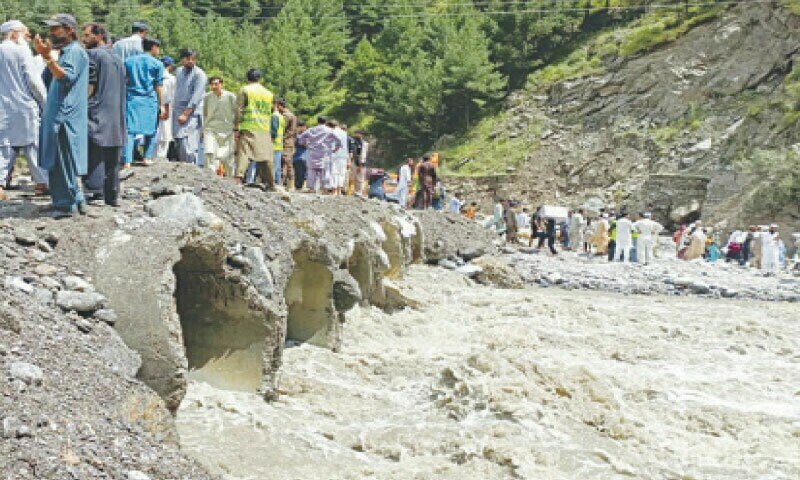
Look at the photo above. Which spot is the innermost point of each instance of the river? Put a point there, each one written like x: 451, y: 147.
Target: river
x: 538, y: 383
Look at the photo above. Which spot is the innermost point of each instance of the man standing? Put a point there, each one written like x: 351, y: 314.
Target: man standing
x: 106, y: 116
x: 252, y: 126
x: 63, y: 147
x: 22, y: 96
x: 144, y: 97
x: 770, y: 253
x: 164, y: 132
x: 359, y: 171
x: 277, y: 129
x: 187, y: 121
x: 623, y: 238
x: 339, y: 160
x: 404, y: 183
x: 133, y: 45
x: 648, y: 233
x: 576, y: 224
x: 320, y: 143
x: 219, y: 114
x: 427, y: 181
x: 289, y: 144
x: 299, y: 159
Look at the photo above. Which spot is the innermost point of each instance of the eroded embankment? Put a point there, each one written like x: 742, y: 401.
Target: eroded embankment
x: 226, y: 277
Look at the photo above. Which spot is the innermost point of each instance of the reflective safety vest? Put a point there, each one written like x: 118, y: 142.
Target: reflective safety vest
x: 257, y: 114
x: 277, y: 142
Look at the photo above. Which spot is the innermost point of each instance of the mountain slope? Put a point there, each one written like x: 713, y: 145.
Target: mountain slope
x: 710, y: 93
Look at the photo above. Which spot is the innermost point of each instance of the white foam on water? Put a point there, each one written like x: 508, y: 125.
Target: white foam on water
x: 534, y: 384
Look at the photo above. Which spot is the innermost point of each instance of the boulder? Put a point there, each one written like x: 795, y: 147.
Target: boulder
x: 700, y: 288
x: 469, y: 270
x: 495, y: 271
x: 346, y: 293
x: 77, y: 284
x: 27, y: 373
x: 82, y: 302
x: 186, y: 209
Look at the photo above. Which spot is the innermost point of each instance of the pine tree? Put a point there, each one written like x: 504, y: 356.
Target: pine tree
x: 469, y: 79
x: 360, y: 74
x: 305, y: 45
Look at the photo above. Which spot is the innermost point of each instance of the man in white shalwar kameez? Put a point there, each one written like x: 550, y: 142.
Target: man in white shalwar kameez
x: 648, y: 230
x: 164, y: 132
x: 770, y: 253
x: 576, y: 224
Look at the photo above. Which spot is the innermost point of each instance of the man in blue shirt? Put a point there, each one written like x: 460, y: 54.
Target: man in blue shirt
x: 63, y: 142
x: 144, y: 99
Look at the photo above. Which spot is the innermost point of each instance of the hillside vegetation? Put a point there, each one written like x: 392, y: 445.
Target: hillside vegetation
x: 709, y: 91
x: 410, y: 71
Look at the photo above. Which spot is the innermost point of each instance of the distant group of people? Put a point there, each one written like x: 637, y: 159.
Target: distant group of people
x: 621, y: 237
x: 625, y: 237
x: 84, y: 110
x: 417, y: 186
x: 759, y: 247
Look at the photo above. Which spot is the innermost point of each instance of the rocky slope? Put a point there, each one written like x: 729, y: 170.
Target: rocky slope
x: 106, y: 317
x: 705, y: 125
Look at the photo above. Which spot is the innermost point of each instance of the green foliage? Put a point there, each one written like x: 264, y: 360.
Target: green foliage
x: 778, y: 172
x: 669, y: 27
x: 410, y: 71
x: 793, y: 6
x: 304, y: 47
x: 580, y: 63
x: 488, y: 149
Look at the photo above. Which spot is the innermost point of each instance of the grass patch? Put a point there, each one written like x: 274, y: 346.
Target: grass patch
x: 793, y: 6
x: 478, y: 154
x: 579, y: 64
x: 663, y: 28
x: 791, y: 87
x: 644, y: 34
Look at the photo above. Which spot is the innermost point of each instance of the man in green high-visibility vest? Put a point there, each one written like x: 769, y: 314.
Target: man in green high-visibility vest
x: 252, y: 129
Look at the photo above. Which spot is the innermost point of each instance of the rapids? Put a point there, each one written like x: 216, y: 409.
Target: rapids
x: 532, y: 384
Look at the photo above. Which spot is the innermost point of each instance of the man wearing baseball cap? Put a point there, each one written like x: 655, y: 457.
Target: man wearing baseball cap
x: 130, y: 46
x: 63, y: 148
x: 22, y: 95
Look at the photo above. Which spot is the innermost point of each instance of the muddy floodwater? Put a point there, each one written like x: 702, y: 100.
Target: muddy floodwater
x: 538, y: 384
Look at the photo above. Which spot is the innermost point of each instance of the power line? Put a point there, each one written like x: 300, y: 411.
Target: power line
x: 475, y: 13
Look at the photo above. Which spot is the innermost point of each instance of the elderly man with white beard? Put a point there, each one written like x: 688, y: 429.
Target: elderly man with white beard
x: 22, y: 97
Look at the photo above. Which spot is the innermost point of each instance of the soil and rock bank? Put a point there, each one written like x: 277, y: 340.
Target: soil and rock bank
x: 192, y: 278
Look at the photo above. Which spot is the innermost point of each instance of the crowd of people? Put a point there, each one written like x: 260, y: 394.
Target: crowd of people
x: 84, y: 110
x: 634, y: 237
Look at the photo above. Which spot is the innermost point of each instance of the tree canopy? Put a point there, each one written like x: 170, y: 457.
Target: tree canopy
x: 408, y: 70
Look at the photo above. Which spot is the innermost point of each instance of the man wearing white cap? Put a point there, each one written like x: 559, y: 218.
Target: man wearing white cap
x: 22, y: 96
x: 770, y: 254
